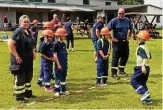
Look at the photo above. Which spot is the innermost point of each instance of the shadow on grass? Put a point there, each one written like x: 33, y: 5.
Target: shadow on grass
x: 157, y: 102
x: 83, y: 50
x: 85, y: 97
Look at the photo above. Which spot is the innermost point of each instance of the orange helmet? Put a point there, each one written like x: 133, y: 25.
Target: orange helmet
x: 144, y: 35
x: 104, y: 31
x: 35, y: 22
x: 61, y: 32
x: 47, y: 25
x: 48, y: 32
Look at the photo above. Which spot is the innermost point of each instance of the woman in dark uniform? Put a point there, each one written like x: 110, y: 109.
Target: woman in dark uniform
x: 21, y: 45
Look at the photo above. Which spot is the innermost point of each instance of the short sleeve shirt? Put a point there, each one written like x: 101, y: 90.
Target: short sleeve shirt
x: 141, y: 52
x: 47, y: 49
x: 24, y: 42
x: 99, y: 26
x: 68, y: 28
x: 102, y: 46
x: 120, y: 27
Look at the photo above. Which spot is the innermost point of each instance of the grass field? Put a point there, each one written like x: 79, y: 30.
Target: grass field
x: 82, y: 74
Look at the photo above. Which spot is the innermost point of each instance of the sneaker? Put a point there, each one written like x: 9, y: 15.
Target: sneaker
x: 33, y: 96
x: 22, y: 100
x: 49, y: 89
x: 114, y: 76
x: 56, y: 94
x: 147, y: 101
x: 124, y: 74
x: 65, y: 93
x: 99, y: 84
x: 105, y: 84
x: 145, y: 96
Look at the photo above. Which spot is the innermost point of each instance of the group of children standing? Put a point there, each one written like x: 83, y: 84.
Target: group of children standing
x: 53, y: 49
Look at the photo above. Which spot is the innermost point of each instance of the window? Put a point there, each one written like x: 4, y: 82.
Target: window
x: 158, y: 19
x: 86, y: 2
x: 35, y: 0
x: 52, y: 1
x: 108, y: 3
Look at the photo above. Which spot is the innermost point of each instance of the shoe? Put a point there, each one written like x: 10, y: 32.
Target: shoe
x: 49, y: 89
x: 65, y: 93
x: 56, y: 94
x: 99, y: 84
x: 22, y: 100
x: 114, y: 76
x: 124, y: 74
x: 147, y: 101
x: 145, y: 96
x: 105, y: 84
x: 39, y: 84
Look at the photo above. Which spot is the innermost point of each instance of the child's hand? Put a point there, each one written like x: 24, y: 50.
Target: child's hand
x: 114, y: 40
x: 144, y: 70
x: 105, y: 57
x: 50, y: 59
x: 59, y: 67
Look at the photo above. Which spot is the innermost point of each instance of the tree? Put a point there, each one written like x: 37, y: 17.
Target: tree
x: 130, y: 2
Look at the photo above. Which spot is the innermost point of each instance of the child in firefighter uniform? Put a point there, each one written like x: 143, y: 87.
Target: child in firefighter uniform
x: 46, y: 52
x: 142, y: 69
x: 103, y: 47
x: 47, y: 25
x: 61, y: 65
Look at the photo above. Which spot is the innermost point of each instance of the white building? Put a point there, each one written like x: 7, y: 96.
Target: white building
x: 43, y: 10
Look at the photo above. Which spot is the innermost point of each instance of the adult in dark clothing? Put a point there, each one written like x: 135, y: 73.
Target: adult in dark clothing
x: 21, y: 46
x: 120, y: 42
x: 70, y: 36
x: 96, y: 34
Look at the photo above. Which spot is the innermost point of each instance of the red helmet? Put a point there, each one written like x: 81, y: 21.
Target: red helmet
x: 35, y: 22
x: 48, y: 32
x: 61, y: 32
x: 47, y: 25
x: 144, y: 35
x: 104, y: 31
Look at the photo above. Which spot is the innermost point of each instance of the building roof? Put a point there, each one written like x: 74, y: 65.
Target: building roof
x: 50, y: 6
x: 65, y: 7
x: 116, y: 7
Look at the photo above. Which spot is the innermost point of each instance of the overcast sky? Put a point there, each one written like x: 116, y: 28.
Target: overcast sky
x: 154, y: 2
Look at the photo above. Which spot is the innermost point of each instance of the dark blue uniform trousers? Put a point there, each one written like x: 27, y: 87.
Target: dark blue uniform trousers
x: 102, y: 70
x: 41, y: 75
x: 139, y: 79
x: 60, y: 78
x: 47, y: 71
x: 120, y: 55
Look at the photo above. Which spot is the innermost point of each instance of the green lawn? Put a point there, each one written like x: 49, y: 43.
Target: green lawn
x: 81, y: 75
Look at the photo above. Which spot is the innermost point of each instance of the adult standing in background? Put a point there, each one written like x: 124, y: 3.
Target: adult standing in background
x: 5, y: 23
x: 70, y: 37
x: 56, y: 22
x: 96, y: 34
x: 120, y: 43
x: 21, y: 45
